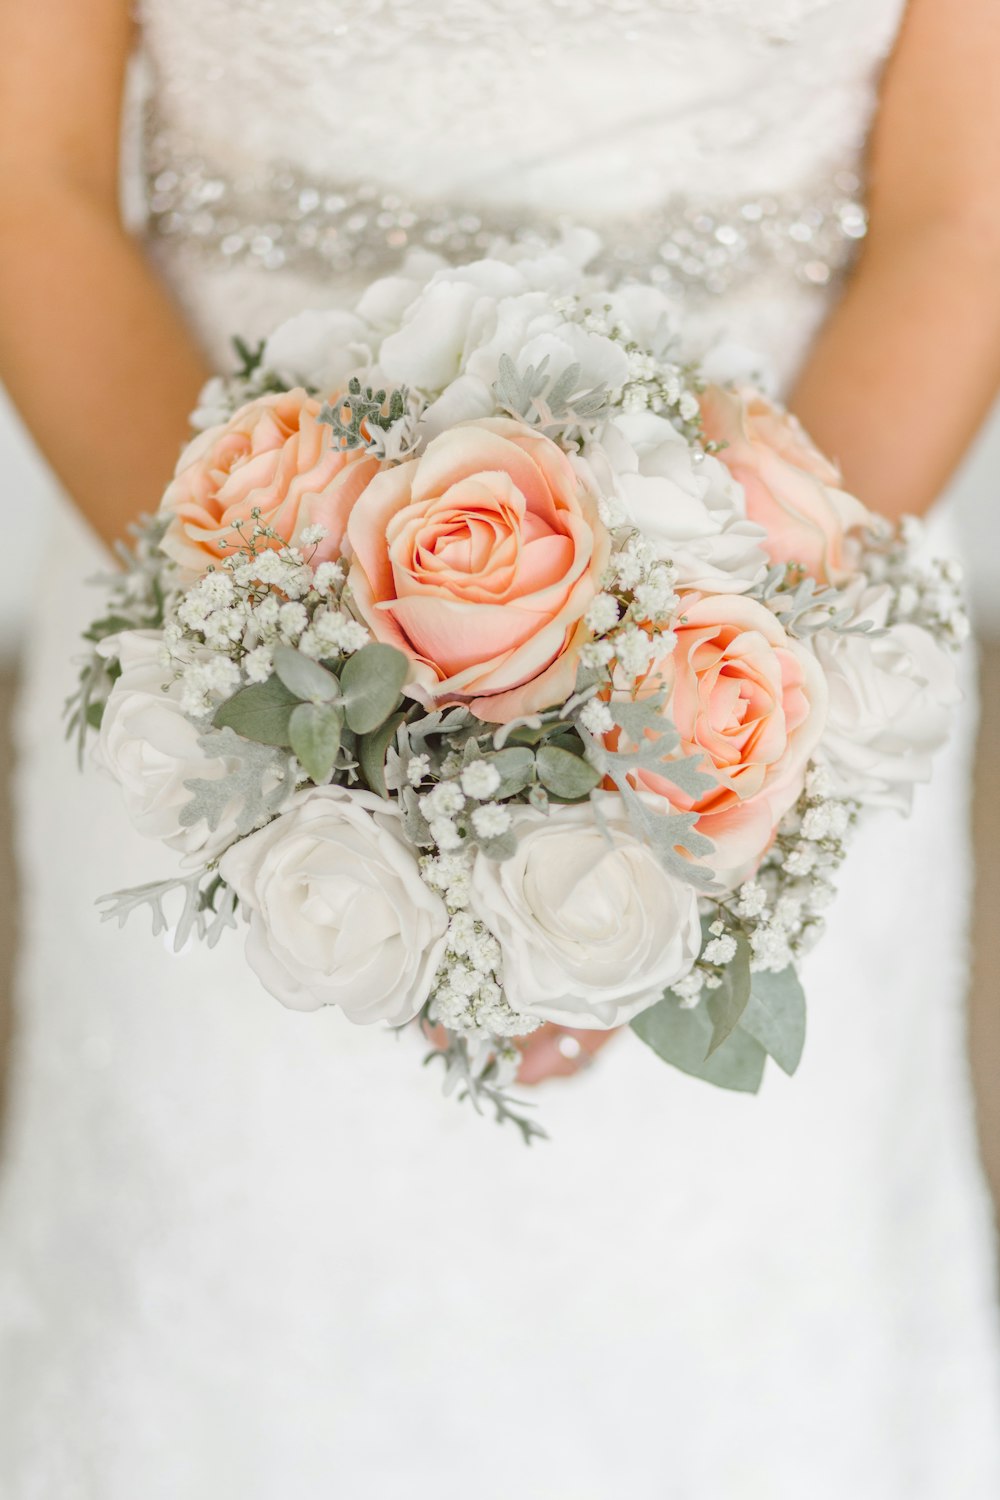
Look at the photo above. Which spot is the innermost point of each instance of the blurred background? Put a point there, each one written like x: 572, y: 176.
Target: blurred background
x: 977, y: 500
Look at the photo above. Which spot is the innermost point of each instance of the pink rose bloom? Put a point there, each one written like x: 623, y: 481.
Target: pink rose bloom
x: 479, y: 560
x: 752, y: 703
x: 791, y: 489
x: 275, y: 456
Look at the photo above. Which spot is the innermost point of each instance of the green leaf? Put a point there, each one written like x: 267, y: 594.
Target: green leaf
x: 503, y: 846
x: 682, y: 1038
x: 372, y: 751
x: 516, y: 765
x: 727, y: 1004
x: 371, y: 685
x: 255, y: 783
x: 314, y: 730
x: 305, y: 678
x: 260, y: 712
x: 776, y: 1016
x: 565, y: 775
x: 94, y: 714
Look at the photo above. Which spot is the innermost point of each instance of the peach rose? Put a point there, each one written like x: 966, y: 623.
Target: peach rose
x: 791, y: 489
x: 752, y: 703
x: 273, y: 455
x: 479, y: 560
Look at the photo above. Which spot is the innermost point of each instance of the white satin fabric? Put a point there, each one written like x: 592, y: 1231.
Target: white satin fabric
x: 250, y: 1254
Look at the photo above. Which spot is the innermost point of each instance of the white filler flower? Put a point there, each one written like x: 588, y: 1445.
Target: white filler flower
x: 339, y: 914
x: 592, y: 928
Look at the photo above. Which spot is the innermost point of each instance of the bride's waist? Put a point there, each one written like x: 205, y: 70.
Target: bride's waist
x: 275, y: 217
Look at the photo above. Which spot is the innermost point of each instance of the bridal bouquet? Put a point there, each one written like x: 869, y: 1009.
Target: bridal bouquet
x: 497, y: 670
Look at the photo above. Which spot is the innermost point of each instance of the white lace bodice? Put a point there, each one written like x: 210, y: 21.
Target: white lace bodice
x: 702, y: 134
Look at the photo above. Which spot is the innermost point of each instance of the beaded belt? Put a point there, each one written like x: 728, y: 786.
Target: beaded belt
x: 274, y: 219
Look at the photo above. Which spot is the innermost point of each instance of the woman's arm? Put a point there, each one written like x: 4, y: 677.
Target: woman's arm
x: 908, y: 365
x: 91, y: 349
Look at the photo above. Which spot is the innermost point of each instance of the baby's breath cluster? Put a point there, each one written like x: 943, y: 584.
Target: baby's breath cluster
x: 654, y: 382
x: 928, y: 591
x: 223, y: 632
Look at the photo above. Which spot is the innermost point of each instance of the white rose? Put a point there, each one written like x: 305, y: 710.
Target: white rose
x: 693, y: 514
x: 339, y: 914
x: 452, y: 334
x: 321, y: 348
x: 150, y: 747
x: 592, y: 928
x: 892, y: 701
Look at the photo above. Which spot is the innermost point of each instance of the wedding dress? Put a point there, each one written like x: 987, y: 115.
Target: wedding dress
x: 248, y: 1253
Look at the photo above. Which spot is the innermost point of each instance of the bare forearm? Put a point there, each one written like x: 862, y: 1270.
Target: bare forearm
x: 908, y: 365
x: 92, y: 351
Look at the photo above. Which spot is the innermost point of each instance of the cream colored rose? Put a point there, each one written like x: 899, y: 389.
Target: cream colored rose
x: 339, y: 914
x: 591, y: 926
x: 150, y: 747
x: 791, y: 490
x: 893, y: 698
x: 479, y: 560
x: 275, y: 456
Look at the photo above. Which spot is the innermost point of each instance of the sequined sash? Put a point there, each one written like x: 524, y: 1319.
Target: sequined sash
x: 274, y: 218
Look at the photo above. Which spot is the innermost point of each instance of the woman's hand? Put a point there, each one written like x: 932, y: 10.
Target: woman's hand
x: 558, y: 1052
x: 549, y: 1052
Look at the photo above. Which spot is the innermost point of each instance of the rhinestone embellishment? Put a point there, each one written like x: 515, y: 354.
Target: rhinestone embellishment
x: 274, y: 219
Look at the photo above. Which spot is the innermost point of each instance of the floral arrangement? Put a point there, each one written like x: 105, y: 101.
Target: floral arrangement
x: 499, y: 671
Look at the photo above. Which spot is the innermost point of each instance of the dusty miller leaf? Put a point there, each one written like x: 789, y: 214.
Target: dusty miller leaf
x: 259, y: 781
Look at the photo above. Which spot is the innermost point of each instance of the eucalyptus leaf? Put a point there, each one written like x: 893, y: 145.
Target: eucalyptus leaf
x: 315, y: 730
x: 776, y: 1016
x: 304, y: 677
x: 260, y: 712
x: 565, y: 775
x: 727, y: 1004
x: 503, y: 846
x: 372, y: 751
x: 682, y: 1037
x: 371, y: 685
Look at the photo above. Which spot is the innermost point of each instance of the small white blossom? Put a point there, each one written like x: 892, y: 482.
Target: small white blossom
x: 445, y: 834
x: 752, y: 899
x: 634, y: 650
x: 770, y: 949
x: 720, y: 950
x: 258, y: 664
x: 480, y: 779
x: 328, y: 577
x: 491, y: 820
x: 800, y: 861
x: 313, y: 535
x: 596, y: 717
x: 596, y: 653
x: 603, y: 614
x: 418, y: 767
x: 688, y: 990
x: 442, y: 801
x: 292, y: 620
x: 819, y: 781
